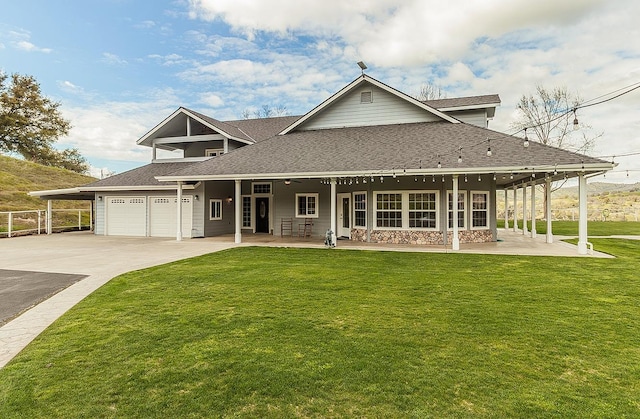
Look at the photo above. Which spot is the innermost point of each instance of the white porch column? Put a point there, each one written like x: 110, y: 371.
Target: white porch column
x: 334, y: 209
x: 455, y: 240
x: 525, y: 227
x: 582, y: 221
x: 179, y: 213
x: 534, y: 233
x: 547, y: 210
x: 49, y: 216
x: 506, y: 210
x: 225, y: 145
x: 238, y: 210
x: 515, y: 208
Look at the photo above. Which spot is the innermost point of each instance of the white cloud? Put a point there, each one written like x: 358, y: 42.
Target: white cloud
x: 21, y: 41
x: 112, y: 59
x: 212, y: 100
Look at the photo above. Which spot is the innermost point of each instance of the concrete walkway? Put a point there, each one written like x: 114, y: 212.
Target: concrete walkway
x: 102, y: 258
x: 99, y: 257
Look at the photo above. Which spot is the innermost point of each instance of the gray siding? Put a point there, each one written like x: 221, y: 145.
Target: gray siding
x: 384, y: 109
x: 477, y: 117
x: 99, y: 220
x: 219, y: 190
x: 199, y: 205
x: 197, y: 149
x: 284, y: 204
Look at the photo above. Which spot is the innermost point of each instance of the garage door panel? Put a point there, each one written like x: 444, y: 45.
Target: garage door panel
x: 163, y: 214
x: 126, y: 216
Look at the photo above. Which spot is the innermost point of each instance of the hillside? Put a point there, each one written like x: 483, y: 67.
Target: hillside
x: 17, y: 177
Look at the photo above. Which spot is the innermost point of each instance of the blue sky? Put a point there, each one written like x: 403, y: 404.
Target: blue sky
x: 119, y: 67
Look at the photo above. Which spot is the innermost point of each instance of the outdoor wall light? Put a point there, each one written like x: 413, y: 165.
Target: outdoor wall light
x: 99, y: 197
x: 229, y: 199
x: 287, y: 181
x: 196, y: 197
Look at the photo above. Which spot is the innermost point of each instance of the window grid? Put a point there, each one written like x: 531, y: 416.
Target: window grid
x: 246, y: 211
x: 389, y: 210
x: 479, y: 209
x: 215, y: 209
x: 360, y: 209
x: 422, y: 210
x: 461, y: 210
x: 262, y: 188
x: 307, y: 205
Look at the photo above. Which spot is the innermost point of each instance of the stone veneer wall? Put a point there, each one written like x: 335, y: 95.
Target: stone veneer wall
x: 419, y: 236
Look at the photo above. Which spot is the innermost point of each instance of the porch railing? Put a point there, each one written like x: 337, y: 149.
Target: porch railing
x: 14, y: 223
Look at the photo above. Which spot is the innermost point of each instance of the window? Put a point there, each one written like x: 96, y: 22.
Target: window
x: 213, y: 152
x: 246, y: 211
x: 462, y: 218
x: 422, y: 210
x: 389, y: 210
x: 215, y: 209
x: 360, y: 209
x: 479, y: 209
x: 261, y: 188
x: 307, y: 205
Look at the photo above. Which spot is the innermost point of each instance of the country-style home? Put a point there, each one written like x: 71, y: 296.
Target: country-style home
x: 368, y: 164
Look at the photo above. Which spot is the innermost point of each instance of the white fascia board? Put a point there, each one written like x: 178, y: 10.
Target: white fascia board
x: 135, y: 188
x: 216, y: 129
x: 153, y: 130
x: 188, y: 139
x: 54, y: 192
x: 593, y: 167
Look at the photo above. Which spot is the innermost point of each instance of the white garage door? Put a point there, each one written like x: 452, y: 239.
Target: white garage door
x: 163, y: 214
x: 126, y: 216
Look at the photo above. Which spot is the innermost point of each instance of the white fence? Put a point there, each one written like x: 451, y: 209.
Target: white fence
x: 14, y: 223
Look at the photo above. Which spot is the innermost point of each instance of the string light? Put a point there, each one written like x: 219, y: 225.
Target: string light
x: 489, y: 153
x: 575, y: 120
x: 526, y: 139
x: 459, y: 155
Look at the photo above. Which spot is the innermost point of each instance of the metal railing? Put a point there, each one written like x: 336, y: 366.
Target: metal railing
x: 14, y: 223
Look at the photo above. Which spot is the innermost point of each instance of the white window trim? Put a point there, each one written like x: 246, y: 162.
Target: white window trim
x: 353, y: 216
x: 253, y: 184
x: 251, y: 205
x: 466, y: 209
x: 213, y: 152
x: 295, y: 209
x: 488, y: 210
x: 211, y: 215
x: 405, y: 210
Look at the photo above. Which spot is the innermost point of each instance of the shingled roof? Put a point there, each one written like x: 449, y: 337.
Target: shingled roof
x: 141, y: 176
x: 463, y: 102
x: 386, y: 148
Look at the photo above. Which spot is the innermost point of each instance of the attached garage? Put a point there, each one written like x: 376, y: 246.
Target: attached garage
x: 126, y: 216
x: 163, y: 214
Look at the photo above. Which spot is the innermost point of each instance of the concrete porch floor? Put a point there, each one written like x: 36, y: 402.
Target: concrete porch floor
x: 509, y: 243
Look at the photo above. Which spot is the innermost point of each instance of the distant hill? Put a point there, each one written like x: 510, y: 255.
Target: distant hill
x: 17, y: 177
x: 601, y: 188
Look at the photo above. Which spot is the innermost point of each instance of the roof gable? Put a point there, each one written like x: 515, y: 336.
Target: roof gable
x: 177, y: 125
x: 384, y: 105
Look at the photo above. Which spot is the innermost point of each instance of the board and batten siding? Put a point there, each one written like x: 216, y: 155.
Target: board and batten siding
x: 385, y: 108
x: 199, y: 205
x: 99, y: 220
x: 477, y: 117
x: 219, y: 190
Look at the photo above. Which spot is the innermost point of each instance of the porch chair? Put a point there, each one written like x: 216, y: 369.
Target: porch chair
x: 305, y: 229
x: 286, y: 227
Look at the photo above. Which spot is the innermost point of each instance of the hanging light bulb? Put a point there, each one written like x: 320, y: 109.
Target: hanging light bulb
x: 489, y: 153
x: 356, y: 181
x: 433, y: 177
x: 381, y: 179
x: 371, y: 178
x: 415, y: 178
x: 442, y: 178
x: 394, y: 175
x: 526, y: 139
x: 439, y: 165
x: 350, y: 181
x: 424, y: 179
x: 494, y: 176
x: 511, y: 177
x: 459, y: 158
x: 576, y: 125
x: 479, y: 178
x: 465, y: 178
x: 533, y: 175
x: 364, y: 179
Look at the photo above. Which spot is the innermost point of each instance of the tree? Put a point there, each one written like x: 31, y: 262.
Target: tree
x: 429, y: 91
x: 30, y: 124
x: 548, y: 116
x: 266, y: 112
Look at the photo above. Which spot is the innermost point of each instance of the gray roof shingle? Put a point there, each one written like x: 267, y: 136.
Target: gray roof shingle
x: 463, y: 101
x: 142, y: 176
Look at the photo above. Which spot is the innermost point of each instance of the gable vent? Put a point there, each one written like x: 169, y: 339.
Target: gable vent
x: 366, y: 97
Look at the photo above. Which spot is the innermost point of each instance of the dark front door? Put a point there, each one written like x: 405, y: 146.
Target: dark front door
x: 262, y: 215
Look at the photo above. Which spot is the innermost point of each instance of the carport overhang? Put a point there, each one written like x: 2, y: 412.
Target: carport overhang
x: 89, y: 194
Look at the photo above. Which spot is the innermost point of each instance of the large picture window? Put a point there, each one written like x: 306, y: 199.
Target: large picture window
x: 215, y: 209
x: 422, y: 210
x: 307, y: 205
x: 479, y: 210
x: 462, y: 210
x: 360, y: 209
x: 389, y: 210
x: 246, y: 211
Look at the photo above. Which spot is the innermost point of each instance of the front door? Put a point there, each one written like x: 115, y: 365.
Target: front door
x: 344, y: 215
x: 262, y: 215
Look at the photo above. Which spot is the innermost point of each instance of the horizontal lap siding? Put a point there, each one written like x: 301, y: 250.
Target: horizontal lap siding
x: 384, y: 109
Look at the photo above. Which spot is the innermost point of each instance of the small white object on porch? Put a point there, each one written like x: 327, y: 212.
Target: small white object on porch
x: 238, y: 210
x: 455, y: 241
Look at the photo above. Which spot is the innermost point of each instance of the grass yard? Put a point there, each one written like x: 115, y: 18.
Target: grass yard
x: 266, y: 332
x: 594, y: 228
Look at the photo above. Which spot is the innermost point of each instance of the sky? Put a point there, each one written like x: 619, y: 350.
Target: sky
x: 119, y: 67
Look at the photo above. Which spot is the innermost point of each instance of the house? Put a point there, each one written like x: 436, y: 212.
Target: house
x: 370, y: 164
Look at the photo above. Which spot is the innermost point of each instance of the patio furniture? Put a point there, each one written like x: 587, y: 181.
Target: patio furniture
x: 305, y: 229
x: 286, y: 227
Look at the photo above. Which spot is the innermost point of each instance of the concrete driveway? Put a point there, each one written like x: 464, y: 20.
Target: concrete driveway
x: 40, y: 259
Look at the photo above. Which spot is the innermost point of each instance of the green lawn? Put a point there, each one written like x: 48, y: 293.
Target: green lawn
x: 594, y: 228
x: 266, y: 332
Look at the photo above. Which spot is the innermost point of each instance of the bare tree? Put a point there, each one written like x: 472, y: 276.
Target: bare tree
x: 266, y: 111
x: 549, y: 117
x: 430, y: 91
